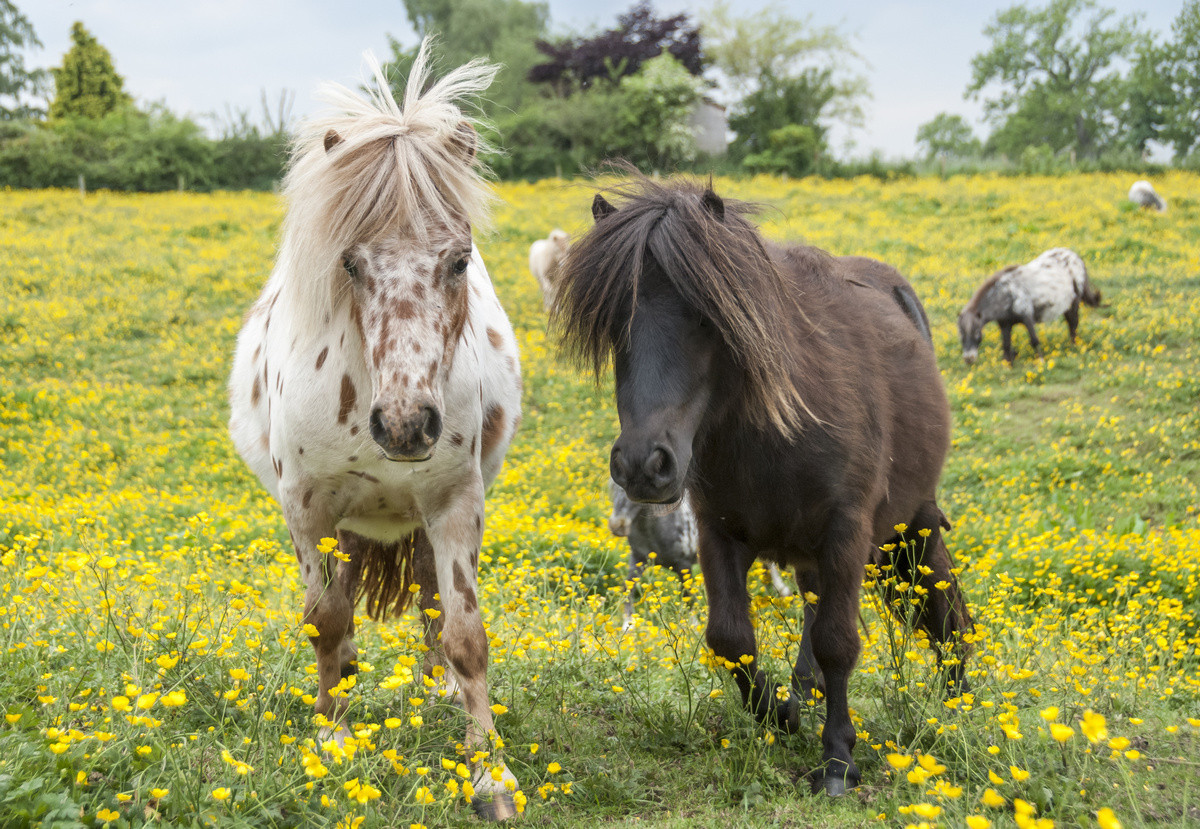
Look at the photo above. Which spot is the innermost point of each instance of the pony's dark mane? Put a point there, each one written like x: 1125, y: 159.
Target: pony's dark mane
x: 716, y: 261
x: 973, y: 304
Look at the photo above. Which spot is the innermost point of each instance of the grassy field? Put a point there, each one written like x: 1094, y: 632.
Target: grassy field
x: 152, y: 666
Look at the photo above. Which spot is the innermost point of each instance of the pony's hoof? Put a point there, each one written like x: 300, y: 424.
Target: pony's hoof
x: 787, y: 716
x: 834, y: 784
x: 496, y: 807
x: 338, y: 736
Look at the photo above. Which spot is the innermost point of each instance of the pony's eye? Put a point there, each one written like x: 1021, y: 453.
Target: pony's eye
x: 460, y: 265
x: 351, y: 266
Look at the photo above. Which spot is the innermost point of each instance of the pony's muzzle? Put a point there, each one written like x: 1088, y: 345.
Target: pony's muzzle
x: 409, y: 436
x: 618, y: 525
x: 652, y: 479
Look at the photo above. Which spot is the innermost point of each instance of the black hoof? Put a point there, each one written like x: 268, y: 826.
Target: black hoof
x: 788, y: 716
x: 496, y: 808
x: 783, y: 716
x: 832, y: 783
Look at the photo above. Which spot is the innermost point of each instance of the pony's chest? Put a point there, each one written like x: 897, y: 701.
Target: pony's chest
x: 377, y: 500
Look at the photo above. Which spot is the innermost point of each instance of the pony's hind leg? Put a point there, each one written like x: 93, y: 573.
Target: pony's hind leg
x: 807, y: 679
x: 730, y: 632
x: 924, y: 560
x: 1072, y: 317
x: 425, y: 575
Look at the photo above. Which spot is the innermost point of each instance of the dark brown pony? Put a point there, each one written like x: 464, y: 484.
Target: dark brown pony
x: 797, y: 396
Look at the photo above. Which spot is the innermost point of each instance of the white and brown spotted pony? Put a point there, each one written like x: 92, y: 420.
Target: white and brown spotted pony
x: 1051, y: 285
x: 376, y: 387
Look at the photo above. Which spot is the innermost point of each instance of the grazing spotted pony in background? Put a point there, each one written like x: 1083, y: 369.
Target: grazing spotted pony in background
x: 667, y: 532
x: 376, y: 388
x: 799, y: 401
x: 545, y: 258
x: 1050, y: 286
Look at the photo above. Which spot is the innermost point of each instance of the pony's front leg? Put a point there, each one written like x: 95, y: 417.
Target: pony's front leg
x: 835, y: 645
x: 1031, y: 327
x: 425, y: 575
x: 455, y: 532
x: 730, y: 633
x: 329, y: 607
x: 1010, y: 353
x: 942, y: 612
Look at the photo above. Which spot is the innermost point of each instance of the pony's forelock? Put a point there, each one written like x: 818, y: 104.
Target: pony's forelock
x: 372, y: 166
x: 719, y: 266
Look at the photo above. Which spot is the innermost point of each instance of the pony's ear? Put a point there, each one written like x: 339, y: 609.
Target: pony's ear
x: 713, y: 204
x: 332, y: 139
x: 464, y: 140
x: 601, y: 207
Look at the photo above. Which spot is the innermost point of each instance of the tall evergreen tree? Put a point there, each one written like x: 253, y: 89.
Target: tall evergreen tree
x: 16, y: 80
x: 87, y: 84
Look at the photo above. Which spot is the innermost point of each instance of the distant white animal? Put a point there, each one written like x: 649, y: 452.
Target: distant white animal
x: 545, y: 258
x: 670, y: 534
x: 1051, y: 285
x: 1142, y: 194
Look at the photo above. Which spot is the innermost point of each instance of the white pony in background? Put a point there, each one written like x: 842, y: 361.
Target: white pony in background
x: 1142, y: 194
x: 376, y: 386
x: 545, y: 259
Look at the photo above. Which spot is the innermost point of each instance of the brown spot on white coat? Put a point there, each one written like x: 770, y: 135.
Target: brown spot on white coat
x: 493, y: 427
x: 347, y: 400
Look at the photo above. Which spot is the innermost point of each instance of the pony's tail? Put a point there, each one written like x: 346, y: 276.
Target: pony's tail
x: 1091, y: 294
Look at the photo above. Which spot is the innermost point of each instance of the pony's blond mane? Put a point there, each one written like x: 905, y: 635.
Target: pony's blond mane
x: 372, y: 166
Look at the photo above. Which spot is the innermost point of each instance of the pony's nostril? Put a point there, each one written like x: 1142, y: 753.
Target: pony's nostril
x: 660, y: 466
x: 617, y: 469
x: 378, y: 429
x: 431, y: 429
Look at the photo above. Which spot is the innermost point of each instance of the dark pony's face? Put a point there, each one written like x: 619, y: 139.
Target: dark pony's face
x: 665, y: 372
x: 677, y: 288
x: 970, y: 333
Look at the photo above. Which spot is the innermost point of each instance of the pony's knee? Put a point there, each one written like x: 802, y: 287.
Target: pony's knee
x: 835, y: 640
x: 730, y: 638
x: 332, y: 614
x: 348, y: 656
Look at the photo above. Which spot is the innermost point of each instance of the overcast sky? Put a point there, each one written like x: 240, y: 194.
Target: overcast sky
x: 205, y: 56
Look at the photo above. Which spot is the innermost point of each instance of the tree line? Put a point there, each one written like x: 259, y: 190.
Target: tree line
x: 1071, y: 81
x: 1062, y: 85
